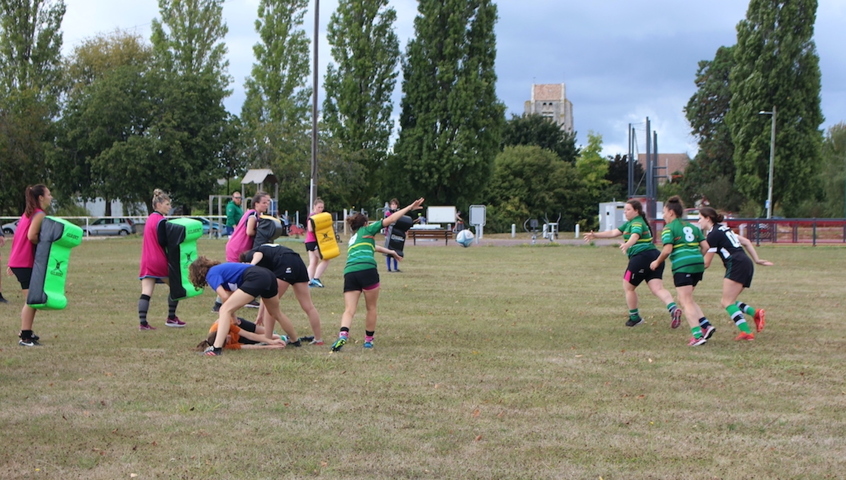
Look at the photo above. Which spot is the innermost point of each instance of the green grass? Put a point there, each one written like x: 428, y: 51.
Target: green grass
x: 490, y: 363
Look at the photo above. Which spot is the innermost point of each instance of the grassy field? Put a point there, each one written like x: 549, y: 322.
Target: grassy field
x: 490, y: 363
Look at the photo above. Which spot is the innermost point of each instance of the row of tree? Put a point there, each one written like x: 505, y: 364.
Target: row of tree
x: 774, y: 65
x: 121, y: 116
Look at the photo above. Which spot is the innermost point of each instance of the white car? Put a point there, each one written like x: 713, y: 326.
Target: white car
x: 9, y: 228
x: 110, y: 226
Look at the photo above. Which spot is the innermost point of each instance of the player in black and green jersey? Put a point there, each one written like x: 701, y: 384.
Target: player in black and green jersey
x: 739, y: 269
x: 685, y: 245
x: 641, y: 252
x: 360, y: 274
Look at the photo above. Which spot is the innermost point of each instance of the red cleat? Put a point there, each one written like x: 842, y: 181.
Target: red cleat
x: 760, y: 319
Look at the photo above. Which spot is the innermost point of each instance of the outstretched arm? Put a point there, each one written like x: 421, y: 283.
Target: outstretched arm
x: 388, y: 251
x: 747, y: 244
x: 417, y: 205
x: 591, y: 235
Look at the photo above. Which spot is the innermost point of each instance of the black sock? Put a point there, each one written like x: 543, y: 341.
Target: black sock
x: 143, y: 306
x: 704, y: 323
x: 26, y: 334
x: 369, y: 334
x: 171, y: 308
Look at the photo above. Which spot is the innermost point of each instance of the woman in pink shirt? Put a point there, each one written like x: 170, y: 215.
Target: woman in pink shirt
x: 22, y: 256
x: 154, y: 264
x: 316, y: 265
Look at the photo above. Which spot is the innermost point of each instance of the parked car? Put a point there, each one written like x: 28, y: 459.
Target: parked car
x: 209, y: 226
x: 9, y: 228
x: 110, y: 226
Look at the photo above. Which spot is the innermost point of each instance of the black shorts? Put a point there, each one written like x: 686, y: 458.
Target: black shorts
x: 361, y: 280
x: 247, y: 326
x: 740, y: 269
x: 311, y: 246
x: 687, y: 279
x: 259, y: 282
x: 292, y: 269
x: 24, y: 276
x: 638, y: 269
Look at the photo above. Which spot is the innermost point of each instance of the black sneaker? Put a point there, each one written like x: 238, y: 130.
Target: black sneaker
x: 28, y: 342
x: 298, y: 343
x: 635, y: 322
x: 33, y: 336
x: 216, y: 307
x: 3, y: 300
x: 307, y: 339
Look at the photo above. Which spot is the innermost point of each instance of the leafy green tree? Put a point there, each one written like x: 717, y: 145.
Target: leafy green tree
x: 276, y: 111
x: 711, y: 174
x: 776, y: 64
x: 618, y: 177
x: 109, y: 102
x: 190, y: 125
x: 451, y: 121
x: 532, y: 182
x: 833, y: 172
x: 30, y: 61
x: 534, y: 129
x: 358, y: 105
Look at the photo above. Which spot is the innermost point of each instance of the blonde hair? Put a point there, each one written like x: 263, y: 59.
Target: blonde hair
x: 160, y: 197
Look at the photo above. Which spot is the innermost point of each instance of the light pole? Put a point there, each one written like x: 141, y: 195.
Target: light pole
x: 772, y: 160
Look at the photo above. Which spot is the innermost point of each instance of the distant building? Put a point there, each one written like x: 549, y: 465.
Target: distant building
x: 550, y: 101
x: 668, y: 165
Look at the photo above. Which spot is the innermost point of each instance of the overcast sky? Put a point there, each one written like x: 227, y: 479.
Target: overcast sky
x: 621, y: 60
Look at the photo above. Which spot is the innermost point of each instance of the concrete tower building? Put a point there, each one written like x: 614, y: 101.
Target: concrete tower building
x: 550, y: 101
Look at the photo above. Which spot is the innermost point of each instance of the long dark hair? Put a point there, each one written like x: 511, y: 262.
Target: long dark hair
x: 638, y: 207
x: 712, y: 214
x: 33, y: 193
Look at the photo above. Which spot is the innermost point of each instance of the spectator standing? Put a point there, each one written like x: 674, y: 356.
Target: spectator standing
x: 234, y: 212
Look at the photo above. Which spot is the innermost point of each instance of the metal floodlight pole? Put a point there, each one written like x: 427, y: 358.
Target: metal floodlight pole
x: 772, y: 161
x: 314, y: 111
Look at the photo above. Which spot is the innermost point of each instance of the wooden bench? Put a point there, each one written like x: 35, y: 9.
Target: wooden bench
x: 416, y: 233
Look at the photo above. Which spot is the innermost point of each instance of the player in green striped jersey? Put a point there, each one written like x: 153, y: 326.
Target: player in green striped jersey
x: 685, y: 245
x: 641, y: 252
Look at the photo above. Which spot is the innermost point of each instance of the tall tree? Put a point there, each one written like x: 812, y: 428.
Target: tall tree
x: 189, y: 131
x: 276, y: 110
x: 776, y: 65
x: 30, y: 61
x: 711, y: 174
x: 358, y: 105
x: 534, y: 129
x: 110, y: 105
x: 451, y: 120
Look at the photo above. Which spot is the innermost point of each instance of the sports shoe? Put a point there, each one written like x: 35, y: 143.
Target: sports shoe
x: 316, y: 342
x: 695, y: 342
x: 676, y: 315
x: 213, y: 352
x: 145, y: 326
x: 708, y: 332
x: 368, y: 344
x: 253, y: 304
x: 3, y: 300
x: 174, y: 322
x: 306, y: 339
x: 760, y: 319
x: 32, y: 336
x: 744, y: 336
x: 339, y: 344
x: 634, y: 323
x: 28, y: 342
x: 298, y: 343
x: 216, y: 307
x: 317, y: 283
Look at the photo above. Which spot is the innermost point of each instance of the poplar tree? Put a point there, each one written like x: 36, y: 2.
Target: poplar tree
x: 276, y: 110
x: 451, y: 121
x: 776, y: 65
x: 188, y: 137
x: 358, y: 105
x: 30, y: 61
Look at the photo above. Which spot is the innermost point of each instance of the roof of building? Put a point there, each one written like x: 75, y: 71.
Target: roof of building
x: 675, y: 162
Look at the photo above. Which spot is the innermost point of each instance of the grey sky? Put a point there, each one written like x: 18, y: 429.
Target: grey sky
x: 621, y: 60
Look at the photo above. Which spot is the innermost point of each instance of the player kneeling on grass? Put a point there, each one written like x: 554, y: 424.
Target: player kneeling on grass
x: 242, y: 334
x: 361, y: 275
x: 739, y: 269
x: 238, y: 284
